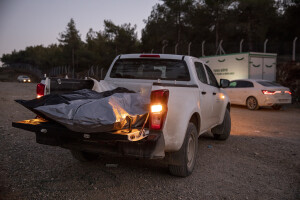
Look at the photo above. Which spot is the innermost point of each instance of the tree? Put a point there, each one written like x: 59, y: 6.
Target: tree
x: 256, y: 17
x: 123, y: 38
x: 71, y: 43
x: 70, y: 38
x: 174, y: 22
x: 167, y: 22
x: 218, y: 11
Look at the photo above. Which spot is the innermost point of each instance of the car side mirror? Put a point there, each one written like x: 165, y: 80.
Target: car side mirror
x: 224, y: 83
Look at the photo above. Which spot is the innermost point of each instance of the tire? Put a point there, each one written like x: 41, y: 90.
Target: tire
x: 187, y: 154
x: 222, y: 131
x: 84, y: 156
x: 277, y: 107
x: 252, y: 103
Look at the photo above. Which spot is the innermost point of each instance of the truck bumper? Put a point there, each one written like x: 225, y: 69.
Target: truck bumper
x: 151, y: 147
x: 109, y: 143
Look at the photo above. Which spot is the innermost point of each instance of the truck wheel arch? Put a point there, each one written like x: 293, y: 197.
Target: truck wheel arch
x: 195, y: 119
x: 228, y: 107
x: 171, y: 157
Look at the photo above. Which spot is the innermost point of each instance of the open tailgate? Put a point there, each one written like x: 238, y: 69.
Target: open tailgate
x: 52, y: 128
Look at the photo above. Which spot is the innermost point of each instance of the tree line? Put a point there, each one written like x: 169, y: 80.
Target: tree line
x: 174, y: 23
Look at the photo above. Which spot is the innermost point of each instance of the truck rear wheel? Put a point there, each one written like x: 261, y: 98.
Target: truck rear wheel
x: 222, y: 131
x: 186, y: 156
x: 84, y: 156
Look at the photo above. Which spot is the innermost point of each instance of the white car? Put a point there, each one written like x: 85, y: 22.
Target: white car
x: 23, y: 79
x: 256, y: 93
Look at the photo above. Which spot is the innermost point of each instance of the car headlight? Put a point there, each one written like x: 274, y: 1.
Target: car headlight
x: 29, y: 80
x: 24, y: 80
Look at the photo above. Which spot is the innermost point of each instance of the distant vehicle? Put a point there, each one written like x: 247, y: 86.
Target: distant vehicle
x: 256, y: 93
x: 23, y: 79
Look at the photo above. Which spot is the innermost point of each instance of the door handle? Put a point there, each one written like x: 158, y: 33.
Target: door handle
x: 203, y: 93
x: 214, y: 93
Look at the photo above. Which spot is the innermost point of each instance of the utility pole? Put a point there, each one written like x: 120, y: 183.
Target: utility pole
x: 265, y: 45
x: 189, y: 48
x: 294, y: 49
x: 163, y: 48
x: 73, y: 62
x: 241, y: 45
x: 203, y: 48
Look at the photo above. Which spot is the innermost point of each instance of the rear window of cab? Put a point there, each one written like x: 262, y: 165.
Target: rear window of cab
x: 152, y: 69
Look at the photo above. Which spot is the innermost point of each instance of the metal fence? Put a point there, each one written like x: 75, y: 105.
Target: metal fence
x: 95, y: 71
x: 26, y: 68
x: 286, y: 51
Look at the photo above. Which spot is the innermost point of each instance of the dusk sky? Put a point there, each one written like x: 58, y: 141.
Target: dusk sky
x: 34, y: 22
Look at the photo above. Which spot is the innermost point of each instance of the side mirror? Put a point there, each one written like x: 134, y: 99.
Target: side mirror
x: 224, y: 83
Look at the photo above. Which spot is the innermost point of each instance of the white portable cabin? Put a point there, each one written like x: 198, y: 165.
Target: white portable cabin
x: 250, y: 65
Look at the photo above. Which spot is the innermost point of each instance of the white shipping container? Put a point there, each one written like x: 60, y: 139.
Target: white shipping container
x: 246, y: 65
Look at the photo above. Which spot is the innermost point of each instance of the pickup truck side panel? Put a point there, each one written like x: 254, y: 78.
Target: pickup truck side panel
x: 182, y: 104
x: 218, y: 102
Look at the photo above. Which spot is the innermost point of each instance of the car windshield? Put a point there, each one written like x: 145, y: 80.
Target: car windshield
x: 150, y: 69
x: 268, y: 84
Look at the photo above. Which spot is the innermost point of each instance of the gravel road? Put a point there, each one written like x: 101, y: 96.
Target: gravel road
x: 260, y: 160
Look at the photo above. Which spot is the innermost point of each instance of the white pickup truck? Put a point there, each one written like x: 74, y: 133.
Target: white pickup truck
x: 186, y: 101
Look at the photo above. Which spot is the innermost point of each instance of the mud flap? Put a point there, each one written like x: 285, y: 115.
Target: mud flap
x: 173, y: 158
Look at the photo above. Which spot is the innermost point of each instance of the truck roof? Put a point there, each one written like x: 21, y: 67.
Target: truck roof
x: 152, y: 56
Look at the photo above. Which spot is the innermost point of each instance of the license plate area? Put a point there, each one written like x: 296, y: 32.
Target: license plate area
x: 134, y: 134
x: 284, y: 100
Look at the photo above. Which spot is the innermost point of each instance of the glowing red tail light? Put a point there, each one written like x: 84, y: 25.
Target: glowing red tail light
x: 287, y: 92
x: 268, y: 92
x: 40, y: 90
x: 159, y: 108
x: 149, y: 56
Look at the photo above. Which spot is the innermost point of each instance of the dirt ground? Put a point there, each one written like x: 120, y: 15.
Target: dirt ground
x: 260, y: 160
